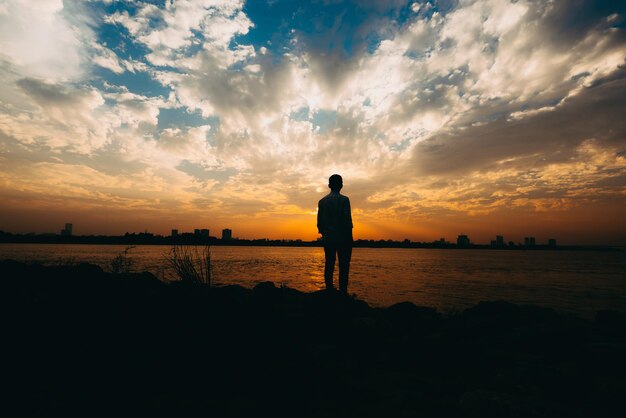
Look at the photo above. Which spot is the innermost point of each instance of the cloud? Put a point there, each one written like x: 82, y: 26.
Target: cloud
x: 429, y: 110
x: 595, y: 113
x: 106, y: 58
x: 169, y: 31
x: 41, y: 41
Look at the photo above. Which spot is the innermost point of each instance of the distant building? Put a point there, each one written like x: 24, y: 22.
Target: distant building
x: 529, y: 241
x: 174, y: 233
x: 227, y: 234
x: 67, y: 231
x: 463, y: 241
x: 499, y: 241
x: 204, y: 233
x: 551, y: 242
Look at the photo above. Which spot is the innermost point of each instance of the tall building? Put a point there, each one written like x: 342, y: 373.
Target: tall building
x: 204, y: 233
x: 499, y: 241
x: 227, y: 234
x: 462, y: 241
x: 552, y: 242
x: 529, y: 241
x: 174, y: 233
x: 67, y: 231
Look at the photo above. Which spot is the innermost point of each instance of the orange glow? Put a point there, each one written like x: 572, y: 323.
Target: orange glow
x: 571, y: 226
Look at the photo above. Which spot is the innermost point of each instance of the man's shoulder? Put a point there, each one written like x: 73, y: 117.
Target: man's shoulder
x: 324, y: 198
x: 333, y: 196
x: 343, y: 197
x: 327, y: 197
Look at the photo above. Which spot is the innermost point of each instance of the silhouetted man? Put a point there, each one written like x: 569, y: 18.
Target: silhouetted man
x: 334, y: 222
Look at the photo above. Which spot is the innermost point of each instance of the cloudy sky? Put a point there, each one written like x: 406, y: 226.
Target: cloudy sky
x: 481, y: 117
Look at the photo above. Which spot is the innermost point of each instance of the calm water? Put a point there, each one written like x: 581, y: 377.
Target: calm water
x: 576, y: 281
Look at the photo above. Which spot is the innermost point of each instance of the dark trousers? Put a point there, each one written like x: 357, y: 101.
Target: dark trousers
x: 332, y: 249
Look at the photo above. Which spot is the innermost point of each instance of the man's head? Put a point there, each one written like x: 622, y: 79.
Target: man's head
x: 335, y: 182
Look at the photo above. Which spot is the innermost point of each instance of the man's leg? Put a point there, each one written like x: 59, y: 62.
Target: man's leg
x: 345, y: 254
x: 330, y: 251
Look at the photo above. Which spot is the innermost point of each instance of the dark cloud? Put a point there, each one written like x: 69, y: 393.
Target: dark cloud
x: 564, y: 22
x: 45, y: 93
x: 335, y: 34
x: 238, y: 92
x: 438, y: 94
x: 63, y: 104
x: 595, y: 113
x: 204, y: 173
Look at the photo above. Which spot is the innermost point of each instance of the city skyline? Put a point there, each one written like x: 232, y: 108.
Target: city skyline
x: 476, y: 117
x: 291, y: 234
x: 227, y: 235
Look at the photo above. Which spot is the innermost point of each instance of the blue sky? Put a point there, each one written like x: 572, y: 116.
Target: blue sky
x: 443, y: 117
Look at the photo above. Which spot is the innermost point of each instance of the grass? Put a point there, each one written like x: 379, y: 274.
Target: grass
x: 122, y: 263
x: 192, y: 264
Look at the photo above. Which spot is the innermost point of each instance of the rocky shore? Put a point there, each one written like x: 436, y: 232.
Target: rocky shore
x: 80, y: 341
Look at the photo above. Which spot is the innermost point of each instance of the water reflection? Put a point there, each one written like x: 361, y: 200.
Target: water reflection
x: 316, y: 271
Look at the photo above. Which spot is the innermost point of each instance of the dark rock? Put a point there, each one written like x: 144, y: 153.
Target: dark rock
x: 610, y: 319
x: 410, y: 311
x: 487, y: 403
x: 507, y: 314
x: 265, y: 287
x: 78, y: 333
x: 266, y: 293
x: 232, y: 292
x: 491, y: 309
x: 87, y: 269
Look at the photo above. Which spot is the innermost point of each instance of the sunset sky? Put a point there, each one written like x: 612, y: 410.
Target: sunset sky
x: 444, y: 117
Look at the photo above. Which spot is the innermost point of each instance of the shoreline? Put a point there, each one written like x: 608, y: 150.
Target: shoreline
x: 82, y: 340
x: 157, y: 240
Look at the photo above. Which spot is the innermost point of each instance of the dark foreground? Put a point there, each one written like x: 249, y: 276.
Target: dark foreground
x: 78, y: 341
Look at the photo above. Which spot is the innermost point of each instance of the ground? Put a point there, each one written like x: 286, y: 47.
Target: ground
x: 79, y: 341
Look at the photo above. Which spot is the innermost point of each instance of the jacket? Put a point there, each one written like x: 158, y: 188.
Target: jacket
x: 334, y: 217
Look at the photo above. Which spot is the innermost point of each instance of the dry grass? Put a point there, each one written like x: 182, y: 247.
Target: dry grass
x: 192, y: 264
x: 122, y: 263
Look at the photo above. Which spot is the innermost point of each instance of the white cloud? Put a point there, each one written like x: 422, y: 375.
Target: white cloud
x: 108, y: 59
x: 39, y: 41
x: 168, y: 31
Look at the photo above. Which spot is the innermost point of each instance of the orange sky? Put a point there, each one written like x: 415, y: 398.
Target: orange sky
x: 488, y: 117
x: 568, y: 227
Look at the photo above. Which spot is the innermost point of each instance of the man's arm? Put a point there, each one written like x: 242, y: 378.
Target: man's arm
x: 348, y: 213
x: 319, y: 217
